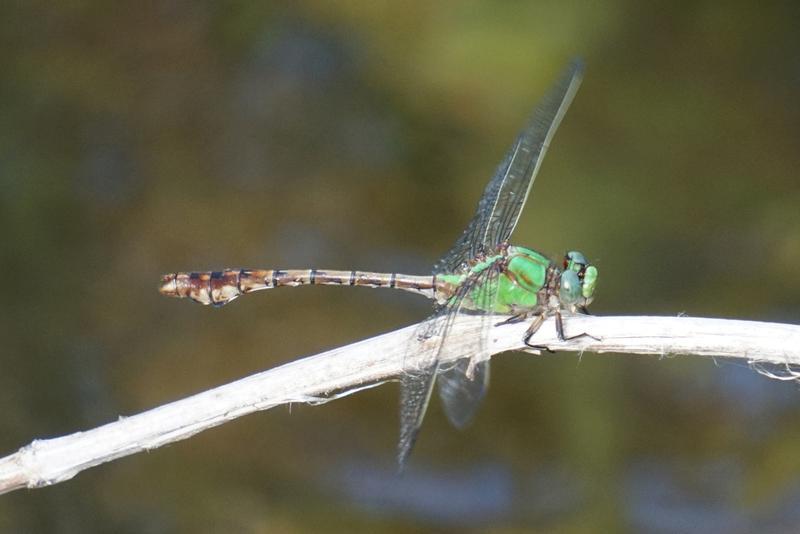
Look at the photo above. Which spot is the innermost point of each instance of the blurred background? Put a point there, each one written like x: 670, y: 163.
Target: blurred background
x: 138, y: 139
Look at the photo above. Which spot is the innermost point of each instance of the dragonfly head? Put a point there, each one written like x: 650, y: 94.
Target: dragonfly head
x: 577, y: 282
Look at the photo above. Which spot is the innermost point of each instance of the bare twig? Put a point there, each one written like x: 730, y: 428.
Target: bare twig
x: 773, y: 349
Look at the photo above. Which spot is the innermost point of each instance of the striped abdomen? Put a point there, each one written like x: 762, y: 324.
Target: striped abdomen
x: 221, y: 287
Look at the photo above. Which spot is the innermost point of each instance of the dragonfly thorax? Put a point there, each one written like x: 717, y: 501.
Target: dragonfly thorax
x: 530, y: 282
x: 517, y: 280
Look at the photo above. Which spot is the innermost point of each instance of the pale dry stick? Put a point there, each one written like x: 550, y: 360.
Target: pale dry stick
x: 373, y: 361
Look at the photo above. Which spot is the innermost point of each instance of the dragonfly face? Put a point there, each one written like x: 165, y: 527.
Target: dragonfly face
x: 577, y: 282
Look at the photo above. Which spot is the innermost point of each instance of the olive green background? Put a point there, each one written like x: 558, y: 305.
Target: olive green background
x: 142, y: 139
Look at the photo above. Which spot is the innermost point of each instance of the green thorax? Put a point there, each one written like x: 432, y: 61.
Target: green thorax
x: 517, y: 275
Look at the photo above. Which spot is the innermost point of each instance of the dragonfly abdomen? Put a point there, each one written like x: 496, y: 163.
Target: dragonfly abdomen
x: 221, y: 287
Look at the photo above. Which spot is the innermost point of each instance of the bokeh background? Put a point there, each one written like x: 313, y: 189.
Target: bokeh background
x: 143, y: 138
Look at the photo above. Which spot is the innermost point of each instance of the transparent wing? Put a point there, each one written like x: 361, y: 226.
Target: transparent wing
x: 461, y: 395
x: 428, y: 346
x: 415, y: 393
x: 416, y: 382
x: 463, y: 384
x: 505, y: 195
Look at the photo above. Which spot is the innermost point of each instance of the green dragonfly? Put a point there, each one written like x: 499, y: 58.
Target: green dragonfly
x: 481, y: 274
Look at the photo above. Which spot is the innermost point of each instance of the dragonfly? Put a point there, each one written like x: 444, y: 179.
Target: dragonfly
x: 481, y: 274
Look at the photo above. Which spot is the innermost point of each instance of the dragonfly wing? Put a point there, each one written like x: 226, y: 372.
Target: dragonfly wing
x: 415, y: 394
x: 422, y: 364
x: 505, y: 195
x: 498, y: 211
x: 465, y: 374
x: 461, y: 395
x: 463, y: 383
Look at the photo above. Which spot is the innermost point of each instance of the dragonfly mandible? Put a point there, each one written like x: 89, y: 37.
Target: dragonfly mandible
x: 481, y: 274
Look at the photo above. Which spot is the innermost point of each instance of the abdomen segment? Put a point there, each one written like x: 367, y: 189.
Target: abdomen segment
x: 221, y: 287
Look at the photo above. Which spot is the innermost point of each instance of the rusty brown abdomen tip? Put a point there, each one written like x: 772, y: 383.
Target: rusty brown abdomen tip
x: 217, y: 288
x: 169, y: 285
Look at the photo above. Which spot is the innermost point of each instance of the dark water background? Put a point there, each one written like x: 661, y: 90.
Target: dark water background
x: 142, y: 139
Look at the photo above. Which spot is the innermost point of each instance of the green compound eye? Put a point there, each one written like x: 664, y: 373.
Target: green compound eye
x: 575, y: 261
x: 570, y: 288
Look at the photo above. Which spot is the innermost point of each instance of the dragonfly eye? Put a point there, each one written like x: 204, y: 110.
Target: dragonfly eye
x: 583, y: 277
x: 575, y: 261
x: 570, y: 288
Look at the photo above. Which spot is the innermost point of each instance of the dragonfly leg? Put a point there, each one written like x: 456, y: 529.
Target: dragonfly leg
x: 535, y: 325
x: 560, y: 330
x: 513, y: 319
x: 560, y: 327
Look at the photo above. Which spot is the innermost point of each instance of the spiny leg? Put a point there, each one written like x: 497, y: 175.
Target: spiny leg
x: 513, y: 319
x: 560, y: 330
x: 537, y: 323
x: 532, y: 329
